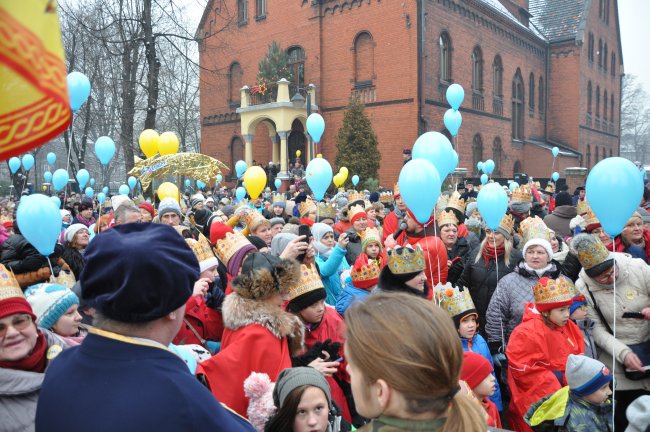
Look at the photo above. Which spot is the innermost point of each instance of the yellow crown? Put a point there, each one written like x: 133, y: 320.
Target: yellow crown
x: 369, y: 235
x: 446, y: 218
x: 406, y: 260
x: 253, y: 219
x: 582, y: 207
x: 549, y: 291
x: 590, y: 218
x: 279, y: 198
x: 365, y: 273
x: 507, y: 224
x: 522, y: 194
x: 356, y: 210
x: 396, y: 190
x: 550, y: 187
x: 306, y: 207
x: 534, y: 228
x: 592, y: 253
x: 356, y: 196
x: 386, y: 197
x: 309, y: 281
x: 9, y: 287
x: 203, y: 252
x: 229, y: 245
x: 456, y: 202
x: 326, y: 211
x: 456, y: 301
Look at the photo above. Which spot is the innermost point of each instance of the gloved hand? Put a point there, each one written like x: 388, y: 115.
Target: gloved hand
x: 215, y: 297
x: 500, y: 360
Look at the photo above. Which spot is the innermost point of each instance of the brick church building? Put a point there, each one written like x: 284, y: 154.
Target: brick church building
x: 536, y: 74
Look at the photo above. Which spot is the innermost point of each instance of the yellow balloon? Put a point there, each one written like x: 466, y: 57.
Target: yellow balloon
x: 168, y: 143
x: 338, y: 180
x: 344, y: 174
x: 44, y: 187
x: 319, y: 155
x: 168, y: 190
x: 298, y: 153
x: 148, y: 140
x: 254, y: 181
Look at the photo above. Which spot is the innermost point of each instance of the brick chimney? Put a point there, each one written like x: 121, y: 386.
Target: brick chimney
x: 519, y: 8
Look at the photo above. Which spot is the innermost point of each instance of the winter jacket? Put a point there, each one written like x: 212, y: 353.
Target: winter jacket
x: 207, y: 322
x: 559, y: 220
x: 507, y: 305
x: 642, y: 252
x: 537, y: 355
x: 19, y: 390
x: 330, y: 269
x: 571, y: 267
x: 348, y: 295
x: 27, y: 264
x: 74, y: 259
x: 587, y: 327
x: 632, y: 295
x: 479, y: 346
x: 354, y: 247
x: 458, y: 255
x: 482, y: 280
x: 564, y: 411
x: 392, y: 424
x: 561, y: 255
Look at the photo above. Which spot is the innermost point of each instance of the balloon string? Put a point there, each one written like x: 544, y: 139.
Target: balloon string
x: 614, y: 338
x: 50, y: 264
x: 67, y: 168
x: 435, y: 233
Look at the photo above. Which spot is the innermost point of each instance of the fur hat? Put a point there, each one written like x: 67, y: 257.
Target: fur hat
x: 49, y: 302
x: 263, y: 275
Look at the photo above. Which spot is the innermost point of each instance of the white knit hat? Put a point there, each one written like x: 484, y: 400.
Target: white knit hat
x: 638, y: 415
x: 539, y: 242
x: 73, y: 230
x: 586, y: 375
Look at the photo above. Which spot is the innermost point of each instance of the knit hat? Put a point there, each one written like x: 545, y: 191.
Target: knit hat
x: 506, y: 226
x: 539, y: 242
x: 475, y: 369
x: 276, y: 221
x: 469, y: 209
x: 263, y: 275
x: 586, y: 375
x: 577, y: 302
x: 637, y: 414
x: 291, y: 379
x: 373, y: 197
x: 562, y: 199
x: 202, y: 216
x: 169, y: 205
x: 365, y: 274
x: 370, y: 235
x: 203, y: 253
x: 196, y: 199
x: 49, y: 302
x: 357, y: 212
x: 12, y: 299
x: 553, y: 293
x: 157, y: 271
x: 645, y: 216
x: 592, y: 254
x: 149, y: 208
x: 72, y: 230
x: 118, y: 200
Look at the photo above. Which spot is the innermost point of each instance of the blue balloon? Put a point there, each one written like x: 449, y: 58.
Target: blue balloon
x: 28, y: 162
x: 132, y: 182
x: 92, y: 182
x: 479, y: 166
x: 40, y: 222
x: 124, y: 189
x: 47, y: 176
x: 355, y: 180
x: 555, y: 176
x: 240, y: 168
x: 488, y: 166
x: 240, y: 193
x: 51, y: 158
x: 89, y: 192
x: 419, y: 184
x: 315, y: 126
x: 14, y: 164
x: 187, y: 183
x: 319, y: 177
x: 278, y: 183
x: 555, y: 151
x: 105, y: 189
x: 78, y: 89
x: 484, y: 179
x: 435, y: 148
x: 513, y: 185
x: 82, y: 177
x: 492, y: 203
x: 56, y: 200
x: 60, y: 179
x: 614, y: 198
x: 101, y: 197
x: 219, y: 178
x: 104, y: 149
x: 200, y: 184
x: 455, y: 95
x: 452, y: 120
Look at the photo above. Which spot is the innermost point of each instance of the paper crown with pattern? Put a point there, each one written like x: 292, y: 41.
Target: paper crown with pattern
x: 9, y: 285
x: 326, y: 211
x: 455, y: 202
x: 203, y: 252
x: 534, y: 228
x: 446, y: 218
x: 406, y: 260
x: 365, y: 275
x: 356, y: 211
x: 591, y: 221
x: 553, y: 293
x: 441, y: 203
x: 229, y: 245
x: 306, y: 207
x: 354, y: 196
x: 369, y: 235
x: 279, y: 198
x: 590, y: 250
x: 456, y: 301
x: 253, y: 219
x: 582, y: 207
x: 386, y: 197
x: 309, y: 281
x: 396, y: 190
x: 507, y: 224
x: 522, y: 194
x: 550, y: 187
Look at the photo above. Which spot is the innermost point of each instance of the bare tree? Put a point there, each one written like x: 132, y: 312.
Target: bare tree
x: 635, y: 120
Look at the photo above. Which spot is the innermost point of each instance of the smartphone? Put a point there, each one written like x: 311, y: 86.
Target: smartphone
x: 303, y: 230
x: 637, y: 315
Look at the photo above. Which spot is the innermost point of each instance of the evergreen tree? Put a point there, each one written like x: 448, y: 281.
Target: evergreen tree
x: 356, y: 144
x: 274, y: 66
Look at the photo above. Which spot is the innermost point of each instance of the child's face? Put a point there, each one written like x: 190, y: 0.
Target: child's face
x: 314, y: 313
x: 599, y: 396
x: 486, y: 388
x: 558, y: 316
x: 580, y: 313
x: 467, y: 328
x: 372, y: 250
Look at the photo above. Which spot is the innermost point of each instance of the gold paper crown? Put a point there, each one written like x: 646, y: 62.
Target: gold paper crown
x: 368, y: 235
x: 456, y: 202
x: 396, y: 190
x: 442, y: 203
x: 309, y: 281
x: 582, y: 207
x: 356, y: 196
x: 534, y: 228
x: 386, y: 197
x: 229, y: 245
x: 326, y: 211
x: 550, y: 187
x: 366, y: 273
x: 279, y: 198
x: 306, y: 207
x: 549, y: 290
x: 454, y: 300
x: 522, y: 194
x: 405, y: 260
x: 507, y: 224
x: 355, y: 210
x: 591, y: 253
x: 590, y: 218
x: 254, y: 219
x: 203, y: 252
x: 9, y: 287
x: 446, y: 218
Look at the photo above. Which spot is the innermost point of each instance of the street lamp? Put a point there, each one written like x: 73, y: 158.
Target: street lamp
x: 298, y: 99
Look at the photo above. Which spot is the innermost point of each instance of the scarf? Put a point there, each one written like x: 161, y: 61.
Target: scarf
x: 490, y: 253
x: 34, y: 362
x: 87, y: 222
x: 538, y: 272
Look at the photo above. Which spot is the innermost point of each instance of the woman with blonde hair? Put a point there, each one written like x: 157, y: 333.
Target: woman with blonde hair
x: 404, y: 360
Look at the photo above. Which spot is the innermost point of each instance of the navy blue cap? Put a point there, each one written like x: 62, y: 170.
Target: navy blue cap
x: 138, y: 272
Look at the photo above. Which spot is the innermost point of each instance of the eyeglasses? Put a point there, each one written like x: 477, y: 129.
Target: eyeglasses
x: 606, y: 275
x: 19, y: 322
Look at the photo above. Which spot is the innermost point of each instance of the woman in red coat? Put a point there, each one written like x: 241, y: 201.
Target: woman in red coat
x: 539, y: 347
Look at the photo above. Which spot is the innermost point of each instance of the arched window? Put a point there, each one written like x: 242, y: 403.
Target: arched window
x: 590, y: 47
x: 477, y: 151
x: 477, y: 70
x: 296, y: 64
x: 596, y: 159
x: 516, y: 168
x: 235, y: 83
x: 236, y: 152
x: 613, y: 66
x: 597, y: 102
x: 517, y: 106
x: 611, y: 108
x: 531, y: 94
x: 588, y: 156
x: 497, y: 76
x: 610, y: 152
x: 364, y: 59
x: 589, y: 97
x: 600, y: 53
x: 542, y: 96
x: 605, y: 106
x: 497, y: 153
x: 445, y: 57
x: 601, y: 7
x: 605, y: 57
x: 242, y: 11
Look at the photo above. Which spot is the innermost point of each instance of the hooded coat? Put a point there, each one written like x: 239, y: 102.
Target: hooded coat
x: 560, y: 219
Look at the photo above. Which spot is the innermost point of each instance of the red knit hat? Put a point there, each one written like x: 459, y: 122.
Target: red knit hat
x: 12, y: 299
x: 475, y: 369
x: 218, y: 231
x: 148, y: 207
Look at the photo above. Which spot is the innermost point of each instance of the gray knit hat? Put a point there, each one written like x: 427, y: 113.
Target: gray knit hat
x: 586, y: 375
x: 169, y: 205
x: 470, y: 208
x: 276, y: 221
x: 291, y: 379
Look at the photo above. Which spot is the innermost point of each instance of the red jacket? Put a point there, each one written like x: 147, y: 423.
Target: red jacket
x: 493, y: 413
x: 342, y: 226
x: 391, y: 223
x: 537, y: 356
x: 207, y: 322
x: 435, y: 257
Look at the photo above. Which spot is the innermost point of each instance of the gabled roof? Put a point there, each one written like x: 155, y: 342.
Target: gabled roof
x: 557, y: 19
x: 498, y: 7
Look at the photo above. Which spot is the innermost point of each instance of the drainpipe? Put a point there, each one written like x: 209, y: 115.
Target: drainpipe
x: 421, y: 35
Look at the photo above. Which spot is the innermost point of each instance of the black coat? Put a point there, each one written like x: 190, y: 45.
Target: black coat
x: 20, y: 256
x: 461, y: 250
x: 571, y: 267
x: 354, y: 247
x: 74, y: 259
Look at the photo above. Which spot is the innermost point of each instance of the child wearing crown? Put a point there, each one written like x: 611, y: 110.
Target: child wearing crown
x: 363, y: 278
x: 539, y: 347
x: 371, y: 247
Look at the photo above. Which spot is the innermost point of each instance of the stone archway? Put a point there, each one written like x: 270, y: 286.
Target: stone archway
x: 297, y: 141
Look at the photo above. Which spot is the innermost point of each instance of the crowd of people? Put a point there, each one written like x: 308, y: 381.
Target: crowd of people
x: 281, y: 313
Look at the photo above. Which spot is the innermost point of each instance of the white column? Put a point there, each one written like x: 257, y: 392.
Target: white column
x: 248, y: 149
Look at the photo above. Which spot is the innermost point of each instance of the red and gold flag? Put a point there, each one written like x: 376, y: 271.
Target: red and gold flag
x: 34, y: 104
